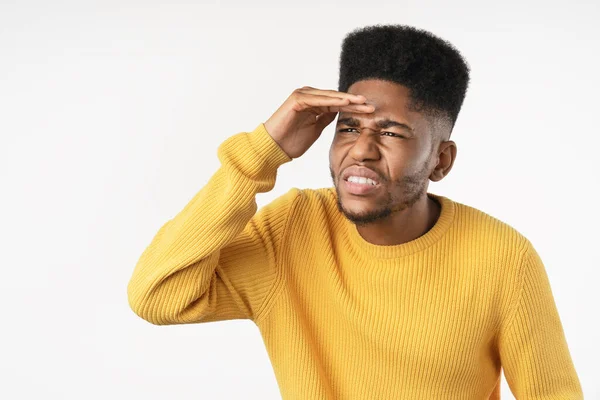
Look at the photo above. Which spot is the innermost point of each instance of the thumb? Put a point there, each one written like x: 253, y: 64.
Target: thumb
x: 324, y: 119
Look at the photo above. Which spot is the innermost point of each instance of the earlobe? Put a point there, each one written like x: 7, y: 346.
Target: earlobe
x: 445, y: 161
x: 436, y: 175
x: 449, y: 156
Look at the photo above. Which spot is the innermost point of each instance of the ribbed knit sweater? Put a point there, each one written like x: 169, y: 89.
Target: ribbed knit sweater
x: 437, y: 317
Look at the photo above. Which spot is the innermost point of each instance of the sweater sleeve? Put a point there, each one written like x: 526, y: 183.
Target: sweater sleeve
x: 532, y: 344
x: 217, y: 258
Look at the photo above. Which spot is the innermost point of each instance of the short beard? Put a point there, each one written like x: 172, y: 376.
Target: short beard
x: 413, y: 187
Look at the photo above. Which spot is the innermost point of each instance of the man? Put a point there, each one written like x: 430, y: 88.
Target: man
x: 374, y: 288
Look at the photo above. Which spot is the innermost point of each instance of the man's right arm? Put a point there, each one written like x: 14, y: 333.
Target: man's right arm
x: 216, y: 259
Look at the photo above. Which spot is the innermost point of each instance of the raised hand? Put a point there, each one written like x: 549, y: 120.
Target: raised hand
x: 300, y: 120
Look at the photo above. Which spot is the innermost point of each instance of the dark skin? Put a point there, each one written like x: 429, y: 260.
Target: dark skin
x: 405, y: 158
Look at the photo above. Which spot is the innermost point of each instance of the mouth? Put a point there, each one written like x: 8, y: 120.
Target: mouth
x: 359, y: 188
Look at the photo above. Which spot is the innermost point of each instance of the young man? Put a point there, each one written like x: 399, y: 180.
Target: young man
x: 373, y: 288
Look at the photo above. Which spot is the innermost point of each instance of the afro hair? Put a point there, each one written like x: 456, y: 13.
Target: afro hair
x: 433, y: 70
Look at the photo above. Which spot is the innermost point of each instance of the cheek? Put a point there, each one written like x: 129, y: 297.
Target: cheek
x: 399, y: 164
x: 333, y: 165
x: 334, y: 157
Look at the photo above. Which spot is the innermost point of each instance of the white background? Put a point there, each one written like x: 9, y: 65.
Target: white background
x: 110, y: 117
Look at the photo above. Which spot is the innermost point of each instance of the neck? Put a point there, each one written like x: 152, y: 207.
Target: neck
x: 403, y: 226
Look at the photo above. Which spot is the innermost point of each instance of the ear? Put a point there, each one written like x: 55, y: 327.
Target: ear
x: 446, y: 156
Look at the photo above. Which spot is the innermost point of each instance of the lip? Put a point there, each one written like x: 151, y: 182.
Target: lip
x: 363, y: 172
x: 359, y: 188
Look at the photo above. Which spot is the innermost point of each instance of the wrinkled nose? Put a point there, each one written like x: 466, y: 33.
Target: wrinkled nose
x: 366, y: 145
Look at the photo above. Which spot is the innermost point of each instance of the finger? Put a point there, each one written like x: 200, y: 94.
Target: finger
x: 328, y: 104
x: 304, y: 101
x: 355, y: 98
x: 361, y: 108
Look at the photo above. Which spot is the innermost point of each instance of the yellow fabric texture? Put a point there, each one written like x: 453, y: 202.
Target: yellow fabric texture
x: 342, y: 318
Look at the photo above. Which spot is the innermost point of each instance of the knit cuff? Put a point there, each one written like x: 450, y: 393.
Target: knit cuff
x: 255, y: 154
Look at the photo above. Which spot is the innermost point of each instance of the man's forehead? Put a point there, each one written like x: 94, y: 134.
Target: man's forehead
x: 377, y: 115
x: 381, y: 94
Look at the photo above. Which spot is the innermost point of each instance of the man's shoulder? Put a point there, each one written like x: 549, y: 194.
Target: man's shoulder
x: 476, y: 224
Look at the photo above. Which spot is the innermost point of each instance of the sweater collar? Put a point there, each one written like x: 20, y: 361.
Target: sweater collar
x: 370, y: 250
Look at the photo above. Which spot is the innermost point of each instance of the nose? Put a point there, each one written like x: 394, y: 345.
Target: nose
x: 365, y: 146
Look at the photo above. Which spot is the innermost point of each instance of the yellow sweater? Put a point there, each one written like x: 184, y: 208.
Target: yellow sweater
x: 341, y: 318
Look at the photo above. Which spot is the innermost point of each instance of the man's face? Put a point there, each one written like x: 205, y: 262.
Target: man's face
x: 402, y: 157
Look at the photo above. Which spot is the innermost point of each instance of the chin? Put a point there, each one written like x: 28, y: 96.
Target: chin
x: 362, y: 214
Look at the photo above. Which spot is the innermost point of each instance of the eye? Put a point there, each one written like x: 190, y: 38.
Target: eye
x: 352, y: 129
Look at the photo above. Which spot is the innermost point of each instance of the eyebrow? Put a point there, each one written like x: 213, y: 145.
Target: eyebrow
x: 382, y: 123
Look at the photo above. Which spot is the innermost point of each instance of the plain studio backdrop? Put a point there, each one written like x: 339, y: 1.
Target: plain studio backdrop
x: 111, y: 114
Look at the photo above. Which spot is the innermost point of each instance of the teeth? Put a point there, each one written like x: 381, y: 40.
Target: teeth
x: 360, y: 179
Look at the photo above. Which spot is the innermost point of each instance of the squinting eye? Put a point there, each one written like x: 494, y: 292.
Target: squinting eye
x: 352, y: 129
x: 395, y: 135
